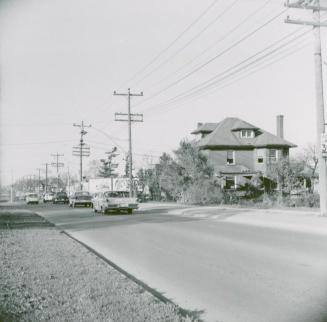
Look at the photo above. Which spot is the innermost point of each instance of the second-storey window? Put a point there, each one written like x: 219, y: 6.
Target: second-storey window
x: 230, y: 157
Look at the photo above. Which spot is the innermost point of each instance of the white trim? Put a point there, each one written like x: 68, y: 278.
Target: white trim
x: 249, y: 134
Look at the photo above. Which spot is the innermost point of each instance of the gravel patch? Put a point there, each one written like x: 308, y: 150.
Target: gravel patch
x: 46, y: 276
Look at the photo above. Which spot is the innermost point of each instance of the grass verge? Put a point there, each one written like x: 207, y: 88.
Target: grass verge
x: 45, y: 275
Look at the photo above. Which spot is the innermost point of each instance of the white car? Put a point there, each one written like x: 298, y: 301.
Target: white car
x: 114, y: 201
x: 80, y: 198
x: 32, y: 198
x: 48, y: 197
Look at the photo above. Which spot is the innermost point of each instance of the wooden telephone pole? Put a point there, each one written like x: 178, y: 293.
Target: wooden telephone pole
x: 81, y: 150
x: 58, y: 165
x: 130, y: 118
x: 314, y: 5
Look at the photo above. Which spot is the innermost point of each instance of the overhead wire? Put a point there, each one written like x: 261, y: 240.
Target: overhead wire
x: 267, y: 55
x: 219, y: 40
x: 218, y: 55
x: 248, y: 73
x: 206, y: 27
x: 194, y: 22
x: 239, y: 64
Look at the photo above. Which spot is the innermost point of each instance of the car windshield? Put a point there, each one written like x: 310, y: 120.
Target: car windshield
x: 62, y: 194
x: 32, y: 195
x: 116, y: 194
x: 82, y: 193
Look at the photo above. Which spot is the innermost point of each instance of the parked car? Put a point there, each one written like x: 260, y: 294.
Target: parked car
x: 4, y: 197
x: 48, y: 197
x: 80, y: 198
x: 114, y: 201
x: 32, y: 198
x: 60, y: 197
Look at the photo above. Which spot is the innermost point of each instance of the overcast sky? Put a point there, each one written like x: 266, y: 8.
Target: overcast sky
x: 61, y: 61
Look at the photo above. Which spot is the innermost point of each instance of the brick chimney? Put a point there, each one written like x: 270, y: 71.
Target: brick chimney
x: 280, y: 126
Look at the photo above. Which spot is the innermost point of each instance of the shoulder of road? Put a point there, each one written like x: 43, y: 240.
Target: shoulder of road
x: 46, y: 275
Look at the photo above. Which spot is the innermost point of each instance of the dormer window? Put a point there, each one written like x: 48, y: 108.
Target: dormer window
x: 248, y: 134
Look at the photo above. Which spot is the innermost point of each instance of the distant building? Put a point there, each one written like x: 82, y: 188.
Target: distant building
x: 238, y: 150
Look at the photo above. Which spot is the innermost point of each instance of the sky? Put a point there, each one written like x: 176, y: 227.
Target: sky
x: 61, y: 61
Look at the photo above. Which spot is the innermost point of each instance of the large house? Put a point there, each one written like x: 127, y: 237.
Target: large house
x: 238, y: 150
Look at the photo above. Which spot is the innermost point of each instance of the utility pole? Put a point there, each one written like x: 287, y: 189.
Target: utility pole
x: 46, y: 177
x: 130, y: 118
x: 39, y: 181
x: 68, y: 173
x: 314, y: 5
x: 81, y: 150
x: 58, y: 165
x: 12, y: 187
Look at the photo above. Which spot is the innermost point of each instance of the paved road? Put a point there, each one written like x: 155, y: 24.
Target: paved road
x: 228, y: 272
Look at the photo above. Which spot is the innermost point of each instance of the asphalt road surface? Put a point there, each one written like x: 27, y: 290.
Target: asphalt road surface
x: 227, y: 272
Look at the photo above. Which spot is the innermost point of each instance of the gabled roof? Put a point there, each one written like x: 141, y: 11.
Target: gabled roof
x: 225, y: 135
x: 205, y: 128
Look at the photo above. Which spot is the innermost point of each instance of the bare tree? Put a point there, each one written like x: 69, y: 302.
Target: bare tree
x: 310, y: 159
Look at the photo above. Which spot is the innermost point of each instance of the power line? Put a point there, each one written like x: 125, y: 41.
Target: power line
x: 207, y: 9
x: 207, y: 26
x: 249, y: 73
x: 248, y: 35
x: 111, y: 138
x: 219, y: 40
x: 213, y: 79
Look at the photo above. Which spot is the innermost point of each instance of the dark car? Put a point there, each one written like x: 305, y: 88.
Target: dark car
x: 60, y: 197
x: 80, y: 198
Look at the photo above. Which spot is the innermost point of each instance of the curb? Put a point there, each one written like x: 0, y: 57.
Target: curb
x: 185, y: 313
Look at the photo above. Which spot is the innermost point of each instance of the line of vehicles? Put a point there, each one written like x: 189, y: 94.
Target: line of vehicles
x: 102, y: 202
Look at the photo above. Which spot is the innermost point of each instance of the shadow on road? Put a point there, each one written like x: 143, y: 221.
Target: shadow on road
x: 110, y: 221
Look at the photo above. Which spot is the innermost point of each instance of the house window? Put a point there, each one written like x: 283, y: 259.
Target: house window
x: 230, y: 157
x: 249, y: 134
x: 260, y: 155
x: 272, y: 155
x: 230, y: 183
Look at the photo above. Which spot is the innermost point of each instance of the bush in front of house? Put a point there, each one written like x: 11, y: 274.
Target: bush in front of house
x: 206, y: 192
